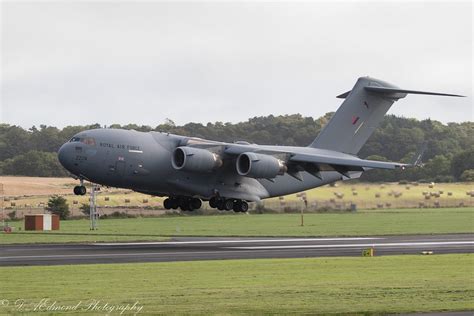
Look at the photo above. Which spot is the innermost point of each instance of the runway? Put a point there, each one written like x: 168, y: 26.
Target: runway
x: 187, y: 249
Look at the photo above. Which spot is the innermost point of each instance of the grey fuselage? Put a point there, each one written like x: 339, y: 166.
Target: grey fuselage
x: 142, y: 162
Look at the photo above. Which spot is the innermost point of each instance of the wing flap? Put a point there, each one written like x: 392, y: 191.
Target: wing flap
x: 343, y: 163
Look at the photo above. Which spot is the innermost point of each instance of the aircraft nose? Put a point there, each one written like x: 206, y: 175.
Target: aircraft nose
x: 64, y: 156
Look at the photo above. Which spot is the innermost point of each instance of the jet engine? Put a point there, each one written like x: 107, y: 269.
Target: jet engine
x: 259, y: 166
x: 195, y: 159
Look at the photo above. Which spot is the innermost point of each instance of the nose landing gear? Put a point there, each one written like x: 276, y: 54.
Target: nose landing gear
x: 80, y: 189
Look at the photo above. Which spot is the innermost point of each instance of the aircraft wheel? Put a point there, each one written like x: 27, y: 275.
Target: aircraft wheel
x: 220, y: 204
x: 195, y: 203
x: 174, y: 203
x: 213, y: 202
x: 228, y: 205
x: 184, y: 204
x: 167, y: 204
x: 76, y: 190
x: 82, y: 190
x: 244, y: 206
x: 237, y: 206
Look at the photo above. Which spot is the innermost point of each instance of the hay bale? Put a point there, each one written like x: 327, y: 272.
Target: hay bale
x: 427, y: 197
x: 339, y: 195
x: 407, y: 187
x: 431, y: 185
x: 377, y: 195
x: 145, y: 201
x: 450, y: 193
x: 74, y: 202
x: 106, y: 198
x: 127, y: 200
x: 354, y: 193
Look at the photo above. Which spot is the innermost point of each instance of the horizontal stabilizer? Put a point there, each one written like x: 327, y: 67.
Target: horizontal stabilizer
x: 344, y: 95
x: 388, y: 91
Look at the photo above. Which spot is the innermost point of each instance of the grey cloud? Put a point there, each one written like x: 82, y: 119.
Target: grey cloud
x: 140, y: 62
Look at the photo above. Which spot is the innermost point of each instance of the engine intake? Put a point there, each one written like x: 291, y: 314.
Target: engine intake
x: 259, y: 166
x: 195, y: 159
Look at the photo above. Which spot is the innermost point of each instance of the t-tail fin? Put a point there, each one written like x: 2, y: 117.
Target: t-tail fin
x: 361, y: 112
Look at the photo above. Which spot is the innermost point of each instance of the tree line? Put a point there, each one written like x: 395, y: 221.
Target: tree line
x: 449, y: 154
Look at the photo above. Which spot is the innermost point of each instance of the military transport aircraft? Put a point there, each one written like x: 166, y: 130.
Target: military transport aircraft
x: 189, y: 170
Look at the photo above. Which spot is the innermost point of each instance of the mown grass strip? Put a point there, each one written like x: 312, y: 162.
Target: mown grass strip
x: 391, y: 284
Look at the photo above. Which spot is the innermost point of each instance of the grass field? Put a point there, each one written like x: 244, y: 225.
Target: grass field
x: 379, y: 285
x: 369, y: 222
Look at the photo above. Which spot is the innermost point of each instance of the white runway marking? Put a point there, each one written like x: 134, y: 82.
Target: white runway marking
x: 106, y: 255
x: 395, y: 244
x: 231, y: 241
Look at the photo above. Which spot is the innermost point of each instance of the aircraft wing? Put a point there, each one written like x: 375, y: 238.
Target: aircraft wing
x: 313, y: 161
x: 314, y: 164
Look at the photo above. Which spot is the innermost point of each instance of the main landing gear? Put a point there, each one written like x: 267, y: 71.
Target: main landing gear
x: 80, y: 189
x: 223, y: 204
x: 190, y: 204
x: 184, y: 203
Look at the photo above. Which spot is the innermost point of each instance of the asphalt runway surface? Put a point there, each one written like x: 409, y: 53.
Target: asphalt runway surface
x: 188, y: 249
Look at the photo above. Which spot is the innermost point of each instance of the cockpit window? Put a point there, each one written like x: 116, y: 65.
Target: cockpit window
x: 88, y: 141
x: 85, y: 140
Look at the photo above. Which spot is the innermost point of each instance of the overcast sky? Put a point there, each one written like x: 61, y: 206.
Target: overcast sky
x: 70, y: 63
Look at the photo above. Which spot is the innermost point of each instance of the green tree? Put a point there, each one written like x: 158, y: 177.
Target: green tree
x: 461, y: 162
x: 34, y: 163
x: 58, y: 205
x: 467, y: 175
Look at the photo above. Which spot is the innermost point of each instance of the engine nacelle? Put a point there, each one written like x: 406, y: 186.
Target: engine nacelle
x: 195, y: 159
x: 259, y: 166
